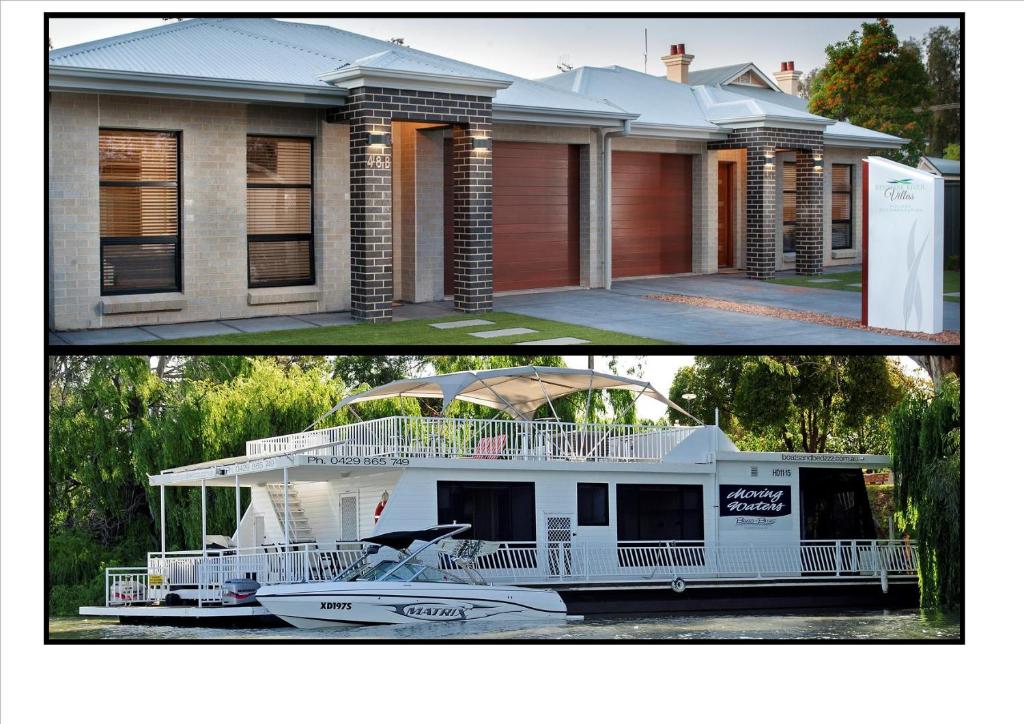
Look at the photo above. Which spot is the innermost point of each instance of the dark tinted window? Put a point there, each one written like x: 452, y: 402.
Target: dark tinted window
x: 592, y: 503
x: 660, y: 512
x: 497, y: 511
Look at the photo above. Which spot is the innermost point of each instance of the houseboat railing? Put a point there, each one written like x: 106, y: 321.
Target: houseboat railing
x: 535, y: 562
x: 442, y: 437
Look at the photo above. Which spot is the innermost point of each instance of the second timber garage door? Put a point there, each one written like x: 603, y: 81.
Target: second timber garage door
x: 536, y: 216
x: 652, y: 213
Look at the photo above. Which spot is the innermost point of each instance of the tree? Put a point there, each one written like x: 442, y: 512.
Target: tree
x: 952, y: 152
x: 942, y: 45
x: 807, y: 403
x: 807, y: 83
x: 925, y: 449
x: 373, y: 370
x: 938, y: 366
x: 873, y: 80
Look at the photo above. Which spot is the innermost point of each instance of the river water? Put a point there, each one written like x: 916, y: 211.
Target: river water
x: 834, y: 625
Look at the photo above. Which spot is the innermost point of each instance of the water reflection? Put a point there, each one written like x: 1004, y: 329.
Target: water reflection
x: 830, y: 625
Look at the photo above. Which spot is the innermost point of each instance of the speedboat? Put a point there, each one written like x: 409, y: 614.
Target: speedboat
x: 406, y: 590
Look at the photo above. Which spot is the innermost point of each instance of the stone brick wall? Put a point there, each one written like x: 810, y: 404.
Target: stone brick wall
x: 371, y: 110
x: 213, y: 183
x: 430, y: 259
x: 761, y: 223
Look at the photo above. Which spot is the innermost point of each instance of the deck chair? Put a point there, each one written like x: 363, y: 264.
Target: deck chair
x: 490, y: 448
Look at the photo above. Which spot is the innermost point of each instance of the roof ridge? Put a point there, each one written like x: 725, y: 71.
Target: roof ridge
x: 219, y: 23
x: 125, y: 39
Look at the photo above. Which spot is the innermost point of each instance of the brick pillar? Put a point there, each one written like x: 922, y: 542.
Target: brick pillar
x: 370, y: 176
x: 472, y: 219
x: 761, y: 233
x: 810, y: 189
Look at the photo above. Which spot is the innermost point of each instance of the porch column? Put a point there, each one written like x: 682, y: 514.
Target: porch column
x: 370, y: 178
x: 762, y: 168
x: 202, y: 488
x: 238, y: 512
x: 163, y: 523
x: 471, y: 173
x: 810, y: 203
x: 287, y: 525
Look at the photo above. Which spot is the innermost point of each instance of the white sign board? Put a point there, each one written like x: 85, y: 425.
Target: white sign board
x: 903, y: 247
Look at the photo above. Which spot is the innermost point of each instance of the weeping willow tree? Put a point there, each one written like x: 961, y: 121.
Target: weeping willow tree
x: 925, y: 448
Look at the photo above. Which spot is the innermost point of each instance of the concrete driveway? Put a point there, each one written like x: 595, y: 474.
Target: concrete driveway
x: 625, y: 308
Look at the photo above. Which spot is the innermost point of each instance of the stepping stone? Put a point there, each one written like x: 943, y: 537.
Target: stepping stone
x: 503, y: 332
x: 462, y: 323
x: 820, y: 280
x: 556, y: 340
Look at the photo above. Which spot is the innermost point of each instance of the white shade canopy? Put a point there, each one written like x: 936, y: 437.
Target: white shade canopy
x: 518, y: 391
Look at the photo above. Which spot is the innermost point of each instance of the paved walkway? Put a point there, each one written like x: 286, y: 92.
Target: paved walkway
x: 624, y: 309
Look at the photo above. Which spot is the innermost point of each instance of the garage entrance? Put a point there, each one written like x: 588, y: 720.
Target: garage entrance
x: 652, y: 200
x: 536, y: 215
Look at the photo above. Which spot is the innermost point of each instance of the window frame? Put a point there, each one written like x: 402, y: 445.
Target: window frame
x: 796, y: 201
x: 607, y: 505
x: 179, y: 285
x: 849, y: 221
x: 282, y: 237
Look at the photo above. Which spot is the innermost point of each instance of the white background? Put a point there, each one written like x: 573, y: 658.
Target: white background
x: 978, y: 682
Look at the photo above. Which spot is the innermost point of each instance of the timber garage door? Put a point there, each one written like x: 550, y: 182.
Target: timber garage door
x: 536, y: 216
x: 651, y: 214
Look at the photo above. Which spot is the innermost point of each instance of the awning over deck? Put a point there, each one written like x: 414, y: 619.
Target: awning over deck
x: 518, y: 391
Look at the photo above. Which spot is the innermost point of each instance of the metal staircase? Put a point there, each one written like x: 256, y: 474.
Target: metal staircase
x: 298, y: 522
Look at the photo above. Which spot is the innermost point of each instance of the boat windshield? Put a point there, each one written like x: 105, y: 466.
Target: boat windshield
x: 406, y: 572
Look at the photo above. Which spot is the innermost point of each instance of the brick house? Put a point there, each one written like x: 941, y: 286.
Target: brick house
x: 229, y: 168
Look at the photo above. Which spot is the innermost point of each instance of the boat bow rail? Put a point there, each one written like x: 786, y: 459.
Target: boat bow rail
x: 485, y: 439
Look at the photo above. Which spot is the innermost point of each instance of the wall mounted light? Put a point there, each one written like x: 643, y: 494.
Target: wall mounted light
x: 819, y: 164
x: 481, y: 144
x: 379, y: 139
x: 769, y: 155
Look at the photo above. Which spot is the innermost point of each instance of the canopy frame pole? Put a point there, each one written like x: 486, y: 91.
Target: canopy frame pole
x: 544, y: 389
x: 609, y: 431
x: 590, y: 390
x: 509, y: 405
x: 287, y: 526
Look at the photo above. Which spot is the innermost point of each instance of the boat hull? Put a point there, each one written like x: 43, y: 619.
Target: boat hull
x: 323, y: 605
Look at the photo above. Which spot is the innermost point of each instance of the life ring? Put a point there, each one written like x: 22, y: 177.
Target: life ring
x: 678, y: 585
x: 380, y: 506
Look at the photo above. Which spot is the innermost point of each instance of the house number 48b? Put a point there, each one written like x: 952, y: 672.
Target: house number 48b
x: 378, y: 161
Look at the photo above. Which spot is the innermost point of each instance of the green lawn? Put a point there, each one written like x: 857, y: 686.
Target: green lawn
x: 418, y: 331
x: 846, y: 281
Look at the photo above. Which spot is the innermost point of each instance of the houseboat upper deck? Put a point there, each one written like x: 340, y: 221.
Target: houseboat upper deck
x: 584, y: 507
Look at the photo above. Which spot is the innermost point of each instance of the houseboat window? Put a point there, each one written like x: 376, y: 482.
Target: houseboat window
x: 842, y: 196
x: 279, y: 202
x: 592, y: 503
x: 789, y: 206
x: 139, y: 212
x: 497, y: 511
x: 660, y: 512
x: 834, y: 505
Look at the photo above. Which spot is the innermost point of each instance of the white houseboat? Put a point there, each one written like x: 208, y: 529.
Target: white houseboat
x: 615, y: 517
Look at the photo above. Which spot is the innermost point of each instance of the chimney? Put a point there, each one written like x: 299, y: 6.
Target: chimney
x: 788, y: 79
x: 677, y: 63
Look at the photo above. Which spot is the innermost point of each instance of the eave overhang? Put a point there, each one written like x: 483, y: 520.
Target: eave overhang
x: 559, y: 116
x: 861, y: 142
x: 679, y: 133
x: 769, y: 121
x: 355, y: 76
x: 94, y: 80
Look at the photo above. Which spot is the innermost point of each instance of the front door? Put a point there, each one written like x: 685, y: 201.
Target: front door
x: 725, y: 185
x: 560, y: 529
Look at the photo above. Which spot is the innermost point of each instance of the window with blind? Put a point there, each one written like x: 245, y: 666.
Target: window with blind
x: 139, y: 212
x: 842, y: 206
x: 279, y: 201
x: 789, y: 206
